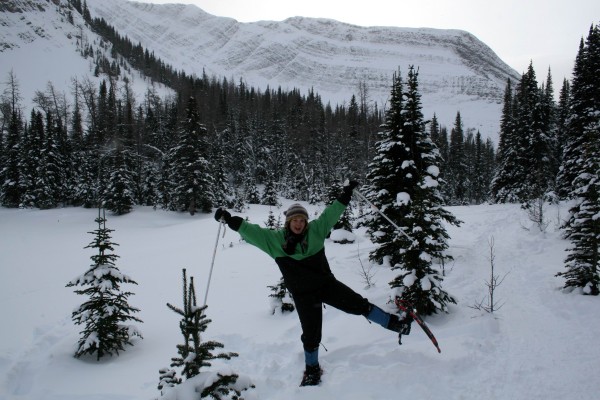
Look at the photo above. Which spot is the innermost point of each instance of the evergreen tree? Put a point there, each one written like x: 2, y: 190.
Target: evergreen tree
x: 50, y: 176
x: 489, y: 167
x: 281, y: 298
x: 238, y: 202
x: 251, y: 194
x: 526, y: 149
x: 479, y: 163
x: 77, y: 160
x: 535, y: 129
x: 439, y: 136
x: 10, y: 174
x: 32, y: 145
x: 563, y: 112
x: 118, y: 196
x: 221, y: 189
x: 457, y: 170
x: 150, y: 190
x: 195, y: 353
x: 506, y: 163
x: 271, y: 222
x: 270, y: 197
x: 549, y: 136
x: 478, y: 176
x: 189, y: 174
x: 404, y: 182
x: 385, y: 180
x: 86, y: 190
x: 573, y: 140
x: 101, y: 128
x: 583, y: 226
x: 106, y: 311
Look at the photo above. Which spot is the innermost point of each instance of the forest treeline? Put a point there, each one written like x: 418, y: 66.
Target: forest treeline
x: 97, y: 144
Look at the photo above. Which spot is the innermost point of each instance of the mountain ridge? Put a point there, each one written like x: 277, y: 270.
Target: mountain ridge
x: 457, y: 72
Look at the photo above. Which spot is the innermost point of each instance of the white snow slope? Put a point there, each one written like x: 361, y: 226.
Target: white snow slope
x: 542, y: 344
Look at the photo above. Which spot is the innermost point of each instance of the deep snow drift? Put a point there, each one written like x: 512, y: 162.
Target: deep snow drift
x: 542, y: 344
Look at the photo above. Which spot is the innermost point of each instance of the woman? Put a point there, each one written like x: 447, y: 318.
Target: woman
x: 299, y: 251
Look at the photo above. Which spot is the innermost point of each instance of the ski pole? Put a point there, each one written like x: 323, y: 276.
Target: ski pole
x: 212, y: 264
x: 374, y: 207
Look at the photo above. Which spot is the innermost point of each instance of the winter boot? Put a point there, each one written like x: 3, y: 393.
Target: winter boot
x: 312, y: 375
x: 402, y: 326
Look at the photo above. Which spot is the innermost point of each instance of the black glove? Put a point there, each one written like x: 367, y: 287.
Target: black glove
x: 346, y: 195
x: 222, y: 213
x: 233, y: 222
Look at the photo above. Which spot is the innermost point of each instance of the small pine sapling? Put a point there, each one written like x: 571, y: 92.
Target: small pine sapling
x: 281, y: 298
x: 366, y: 272
x: 195, y: 353
x: 271, y: 222
x: 536, y: 212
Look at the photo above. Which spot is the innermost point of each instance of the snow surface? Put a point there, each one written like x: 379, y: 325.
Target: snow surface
x: 542, y: 344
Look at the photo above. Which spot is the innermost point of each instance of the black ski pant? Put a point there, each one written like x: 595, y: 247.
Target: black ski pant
x: 309, y: 306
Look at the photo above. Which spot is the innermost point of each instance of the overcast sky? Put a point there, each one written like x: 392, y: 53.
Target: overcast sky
x: 546, y: 32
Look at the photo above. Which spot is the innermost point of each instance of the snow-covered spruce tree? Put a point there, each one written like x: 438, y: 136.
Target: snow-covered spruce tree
x: 583, y: 226
x: 281, y: 297
x: 270, y: 196
x: 106, y: 312
x: 189, y: 175
x: 237, y: 202
x: 49, y: 185
x: 118, y: 196
x: 195, y: 353
x: 11, y: 191
x: 562, y: 118
x: 11, y: 185
x: 526, y: 148
x: 271, y: 222
x: 251, y: 194
x: 31, y: 156
x: 507, y: 156
x: 457, y: 170
x: 404, y: 185
x: 222, y: 191
x: 535, y: 123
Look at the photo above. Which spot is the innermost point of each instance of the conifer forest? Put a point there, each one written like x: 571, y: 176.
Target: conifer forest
x: 218, y: 142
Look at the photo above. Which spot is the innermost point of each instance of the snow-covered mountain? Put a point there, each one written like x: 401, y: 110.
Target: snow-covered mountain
x: 43, y: 41
x: 457, y: 72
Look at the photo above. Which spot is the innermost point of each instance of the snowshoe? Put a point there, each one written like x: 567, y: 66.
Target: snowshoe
x: 312, y: 375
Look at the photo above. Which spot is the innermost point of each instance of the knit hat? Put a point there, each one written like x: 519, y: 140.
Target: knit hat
x: 295, y: 210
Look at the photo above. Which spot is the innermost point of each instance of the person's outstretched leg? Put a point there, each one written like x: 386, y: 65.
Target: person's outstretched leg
x: 345, y: 299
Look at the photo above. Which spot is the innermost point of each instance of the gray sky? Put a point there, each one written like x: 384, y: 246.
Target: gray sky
x: 546, y: 32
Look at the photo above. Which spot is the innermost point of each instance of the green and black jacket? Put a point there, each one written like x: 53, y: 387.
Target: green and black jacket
x: 307, y: 268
